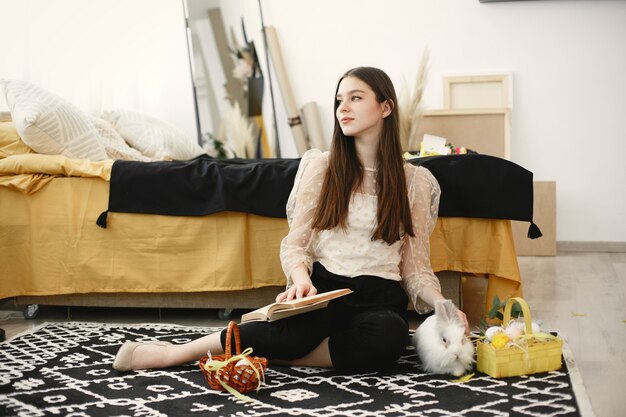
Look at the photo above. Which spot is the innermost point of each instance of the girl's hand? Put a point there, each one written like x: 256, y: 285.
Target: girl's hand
x: 296, y: 291
x: 432, y: 295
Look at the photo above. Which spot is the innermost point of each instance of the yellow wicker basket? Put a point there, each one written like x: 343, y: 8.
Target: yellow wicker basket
x: 538, y: 352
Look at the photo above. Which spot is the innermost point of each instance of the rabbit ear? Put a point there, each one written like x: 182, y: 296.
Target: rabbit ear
x: 446, y: 311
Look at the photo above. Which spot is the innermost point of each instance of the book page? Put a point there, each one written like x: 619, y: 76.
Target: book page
x: 311, y: 299
x: 276, y: 311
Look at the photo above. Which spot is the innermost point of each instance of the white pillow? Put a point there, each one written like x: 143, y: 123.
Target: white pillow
x: 50, y: 125
x: 151, y: 136
x: 114, y: 145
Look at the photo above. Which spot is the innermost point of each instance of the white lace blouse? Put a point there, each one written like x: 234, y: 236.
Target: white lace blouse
x: 352, y: 252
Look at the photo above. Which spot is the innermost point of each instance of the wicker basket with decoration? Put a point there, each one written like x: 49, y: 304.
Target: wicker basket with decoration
x: 529, y: 353
x: 236, y: 373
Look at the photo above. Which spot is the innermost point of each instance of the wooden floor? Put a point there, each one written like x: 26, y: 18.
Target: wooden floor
x: 580, y: 295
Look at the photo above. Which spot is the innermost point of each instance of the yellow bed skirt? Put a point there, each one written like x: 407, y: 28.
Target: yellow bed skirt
x: 50, y: 245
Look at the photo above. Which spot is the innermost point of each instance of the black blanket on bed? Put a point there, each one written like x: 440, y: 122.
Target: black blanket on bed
x: 472, y: 185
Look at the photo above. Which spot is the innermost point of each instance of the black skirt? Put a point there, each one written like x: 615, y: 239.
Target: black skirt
x: 368, y: 323
x: 369, y: 292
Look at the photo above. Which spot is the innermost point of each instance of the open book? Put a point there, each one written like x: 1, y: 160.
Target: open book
x: 277, y: 311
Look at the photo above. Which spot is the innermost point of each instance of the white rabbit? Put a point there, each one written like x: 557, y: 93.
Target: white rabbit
x: 441, y: 343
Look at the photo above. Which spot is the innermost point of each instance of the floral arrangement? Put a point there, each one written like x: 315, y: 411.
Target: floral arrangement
x: 450, y: 150
x: 244, y: 62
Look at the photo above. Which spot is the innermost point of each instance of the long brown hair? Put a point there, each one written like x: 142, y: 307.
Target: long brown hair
x: 345, y: 171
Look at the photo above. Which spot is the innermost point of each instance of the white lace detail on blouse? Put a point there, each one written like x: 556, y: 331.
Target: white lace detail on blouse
x: 352, y: 252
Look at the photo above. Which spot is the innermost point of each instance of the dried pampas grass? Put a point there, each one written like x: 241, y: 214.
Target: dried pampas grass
x: 238, y: 133
x: 411, y: 108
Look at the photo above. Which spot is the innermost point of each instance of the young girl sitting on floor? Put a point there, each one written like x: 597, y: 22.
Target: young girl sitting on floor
x: 359, y: 218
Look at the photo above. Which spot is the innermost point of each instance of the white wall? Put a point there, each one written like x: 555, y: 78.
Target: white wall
x: 567, y: 57
x: 102, y: 54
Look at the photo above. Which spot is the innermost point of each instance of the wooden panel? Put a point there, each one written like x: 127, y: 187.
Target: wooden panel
x: 544, y: 210
x: 477, y: 91
x: 484, y: 131
x: 487, y: 132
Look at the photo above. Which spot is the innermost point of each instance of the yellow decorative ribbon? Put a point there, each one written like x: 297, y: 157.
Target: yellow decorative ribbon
x: 539, y: 336
x: 212, y: 365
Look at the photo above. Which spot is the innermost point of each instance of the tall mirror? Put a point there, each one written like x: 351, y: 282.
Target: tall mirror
x: 228, y: 83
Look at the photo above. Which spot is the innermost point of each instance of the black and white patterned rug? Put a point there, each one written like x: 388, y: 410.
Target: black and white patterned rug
x: 65, y: 369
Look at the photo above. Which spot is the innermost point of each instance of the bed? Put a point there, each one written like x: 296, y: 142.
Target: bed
x: 54, y: 253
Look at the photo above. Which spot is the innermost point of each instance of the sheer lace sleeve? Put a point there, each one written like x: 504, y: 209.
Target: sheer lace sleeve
x: 295, y: 247
x: 424, y: 193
